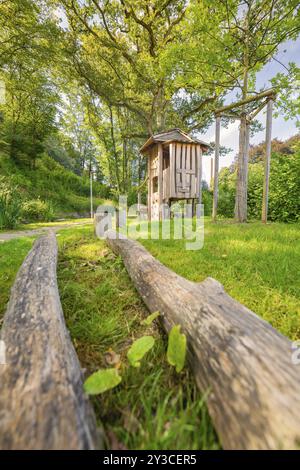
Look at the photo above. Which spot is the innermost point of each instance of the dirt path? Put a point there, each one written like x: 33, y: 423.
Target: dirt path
x: 6, y: 236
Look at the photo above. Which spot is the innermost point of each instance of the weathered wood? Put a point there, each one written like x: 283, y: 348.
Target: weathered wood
x: 216, y: 175
x: 199, y: 176
x: 242, y: 172
x: 42, y: 403
x: 267, y: 162
x: 160, y: 179
x: 172, y: 170
x: 240, y: 360
x: 249, y: 99
x: 149, y: 187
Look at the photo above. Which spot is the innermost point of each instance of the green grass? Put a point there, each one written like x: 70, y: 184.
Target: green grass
x: 153, y: 407
x: 51, y: 182
x: 257, y: 264
x: 12, y: 254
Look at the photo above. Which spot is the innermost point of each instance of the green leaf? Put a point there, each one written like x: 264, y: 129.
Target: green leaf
x: 176, y: 348
x: 150, y: 319
x: 138, y: 350
x: 101, y: 381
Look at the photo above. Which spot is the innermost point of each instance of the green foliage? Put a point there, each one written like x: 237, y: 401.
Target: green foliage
x: 54, y: 189
x: 36, y: 209
x: 139, y: 349
x: 284, y: 189
x: 101, y: 381
x: 207, y: 198
x: 176, y: 348
x: 10, y: 205
x: 150, y: 319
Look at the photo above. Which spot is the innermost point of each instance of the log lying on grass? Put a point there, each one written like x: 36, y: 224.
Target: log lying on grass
x: 244, y: 363
x: 42, y: 404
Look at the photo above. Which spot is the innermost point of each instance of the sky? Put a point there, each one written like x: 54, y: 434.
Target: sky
x: 281, y: 129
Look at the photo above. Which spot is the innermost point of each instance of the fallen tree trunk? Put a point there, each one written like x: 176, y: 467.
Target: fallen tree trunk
x: 42, y: 403
x: 244, y: 363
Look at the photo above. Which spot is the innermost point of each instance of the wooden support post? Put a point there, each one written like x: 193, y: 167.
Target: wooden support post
x: 243, y: 364
x: 211, y: 173
x: 160, y: 179
x: 149, y: 187
x: 267, y: 161
x: 216, y: 175
x: 199, y: 154
x: 42, y: 402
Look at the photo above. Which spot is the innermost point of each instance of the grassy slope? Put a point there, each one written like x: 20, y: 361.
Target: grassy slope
x: 51, y: 182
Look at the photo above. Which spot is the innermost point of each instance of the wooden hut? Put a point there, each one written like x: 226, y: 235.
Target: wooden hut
x: 174, y: 169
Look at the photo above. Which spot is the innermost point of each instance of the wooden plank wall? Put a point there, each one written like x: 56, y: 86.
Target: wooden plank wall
x: 186, y: 166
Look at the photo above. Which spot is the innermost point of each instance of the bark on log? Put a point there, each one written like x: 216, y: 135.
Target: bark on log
x: 246, y: 364
x: 42, y: 403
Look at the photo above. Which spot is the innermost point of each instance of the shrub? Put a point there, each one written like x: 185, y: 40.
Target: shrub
x: 36, y: 209
x: 10, y: 206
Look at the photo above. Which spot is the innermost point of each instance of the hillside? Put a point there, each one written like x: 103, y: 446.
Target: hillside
x: 63, y: 192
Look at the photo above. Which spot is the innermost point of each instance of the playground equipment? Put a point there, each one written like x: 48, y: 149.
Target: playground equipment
x: 174, y: 169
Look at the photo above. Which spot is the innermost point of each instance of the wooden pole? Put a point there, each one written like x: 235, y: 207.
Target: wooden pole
x: 267, y: 161
x: 42, y: 402
x: 216, y: 176
x: 242, y: 363
x: 91, y: 194
x: 199, y: 176
x: 211, y: 172
x: 149, y: 186
x: 160, y: 179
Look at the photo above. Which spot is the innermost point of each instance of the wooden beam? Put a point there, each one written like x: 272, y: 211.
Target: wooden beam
x: 42, y: 402
x: 250, y: 99
x: 216, y: 175
x: 267, y: 162
x: 241, y: 362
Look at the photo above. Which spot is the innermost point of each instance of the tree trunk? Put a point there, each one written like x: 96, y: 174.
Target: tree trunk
x: 242, y: 165
x: 243, y: 363
x: 42, y: 402
x: 242, y: 172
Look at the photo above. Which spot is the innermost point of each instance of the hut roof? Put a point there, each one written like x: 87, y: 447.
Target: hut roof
x: 172, y: 135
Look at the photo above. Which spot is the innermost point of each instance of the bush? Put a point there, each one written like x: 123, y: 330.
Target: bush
x: 36, y: 209
x: 10, y: 206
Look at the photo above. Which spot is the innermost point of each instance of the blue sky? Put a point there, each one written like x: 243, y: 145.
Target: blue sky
x: 281, y: 129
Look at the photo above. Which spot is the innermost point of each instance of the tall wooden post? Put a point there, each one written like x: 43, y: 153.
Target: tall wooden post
x: 267, y: 161
x: 211, y: 173
x: 216, y: 175
x: 242, y: 171
x: 160, y: 180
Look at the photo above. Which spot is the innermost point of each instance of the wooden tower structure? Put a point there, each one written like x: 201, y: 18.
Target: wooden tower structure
x: 174, y: 169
